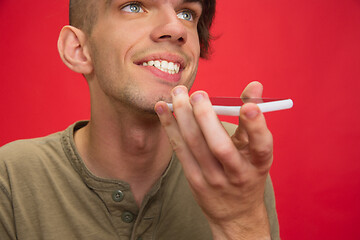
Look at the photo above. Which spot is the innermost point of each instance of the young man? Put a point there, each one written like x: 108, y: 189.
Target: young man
x: 119, y: 175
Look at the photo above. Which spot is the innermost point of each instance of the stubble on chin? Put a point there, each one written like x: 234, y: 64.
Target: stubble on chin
x: 137, y: 102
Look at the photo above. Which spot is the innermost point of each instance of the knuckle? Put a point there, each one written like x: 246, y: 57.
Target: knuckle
x: 177, y: 144
x: 237, y: 180
x: 263, y: 152
x: 216, y: 182
x: 180, y: 103
x: 265, y: 149
x: 197, y: 183
x: 166, y: 122
x: 224, y: 150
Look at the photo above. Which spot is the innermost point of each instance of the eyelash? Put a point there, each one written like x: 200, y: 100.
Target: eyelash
x: 193, y: 13
x: 132, y: 3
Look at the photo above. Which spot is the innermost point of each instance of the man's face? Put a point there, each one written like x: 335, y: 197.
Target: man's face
x: 141, y: 50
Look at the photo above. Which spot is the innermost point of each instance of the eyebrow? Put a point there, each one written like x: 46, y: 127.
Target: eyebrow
x: 108, y: 2
x: 200, y: 1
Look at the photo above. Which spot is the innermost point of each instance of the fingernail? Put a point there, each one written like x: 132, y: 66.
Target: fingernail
x: 251, y: 114
x: 196, y: 97
x: 159, y: 110
x: 178, y: 91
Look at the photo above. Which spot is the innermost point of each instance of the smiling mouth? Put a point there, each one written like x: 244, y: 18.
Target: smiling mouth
x: 164, y: 66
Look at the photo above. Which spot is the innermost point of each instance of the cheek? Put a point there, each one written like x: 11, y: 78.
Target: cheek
x: 193, y: 41
x: 128, y: 40
x: 108, y: 53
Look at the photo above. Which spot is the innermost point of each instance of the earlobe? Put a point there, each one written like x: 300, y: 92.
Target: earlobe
x: 73, y: 51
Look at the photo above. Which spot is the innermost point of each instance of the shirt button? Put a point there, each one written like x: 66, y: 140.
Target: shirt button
x: 127, y: 217
x: 118, y: 196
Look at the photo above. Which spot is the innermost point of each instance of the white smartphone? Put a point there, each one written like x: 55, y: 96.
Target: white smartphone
x: 230, y: 106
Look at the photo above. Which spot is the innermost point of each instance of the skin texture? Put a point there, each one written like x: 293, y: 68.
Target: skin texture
x: 133, y: 147
x: 125, y: 139
x: 227, y: 174
x: 121, y: 39
x: 83, y: 14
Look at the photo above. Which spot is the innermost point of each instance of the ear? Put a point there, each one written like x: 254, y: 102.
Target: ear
x: 73, y: 50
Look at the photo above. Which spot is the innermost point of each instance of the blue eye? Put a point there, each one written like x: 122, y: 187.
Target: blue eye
x: 133, y: 8
x: 186, y: 15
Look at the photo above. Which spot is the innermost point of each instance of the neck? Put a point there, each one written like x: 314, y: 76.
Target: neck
x: 130, y: 148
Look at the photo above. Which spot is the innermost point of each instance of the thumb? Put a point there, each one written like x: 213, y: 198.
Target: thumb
x: 252, y: 90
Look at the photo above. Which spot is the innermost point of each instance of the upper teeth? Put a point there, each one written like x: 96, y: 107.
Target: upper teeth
x: 165, y: 66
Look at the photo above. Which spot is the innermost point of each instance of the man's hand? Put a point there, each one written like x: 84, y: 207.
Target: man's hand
x: 226, y: 174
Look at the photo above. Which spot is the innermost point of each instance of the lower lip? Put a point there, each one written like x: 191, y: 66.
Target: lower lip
x: 163, y: 75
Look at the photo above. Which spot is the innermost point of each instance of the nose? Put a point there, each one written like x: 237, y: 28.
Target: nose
x: 169, y: 28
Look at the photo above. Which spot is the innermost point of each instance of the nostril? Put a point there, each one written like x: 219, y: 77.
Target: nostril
x: 180, y: 39
x: 165, y: 36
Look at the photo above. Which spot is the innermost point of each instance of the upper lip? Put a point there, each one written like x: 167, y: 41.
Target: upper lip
x: 169, y: 57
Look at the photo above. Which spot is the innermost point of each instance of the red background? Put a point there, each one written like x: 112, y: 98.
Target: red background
x: 307, y: 50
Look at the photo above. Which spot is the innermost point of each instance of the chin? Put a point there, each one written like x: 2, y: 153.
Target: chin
x: 149, y: 109
x: 145, y: 108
